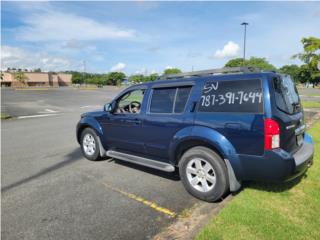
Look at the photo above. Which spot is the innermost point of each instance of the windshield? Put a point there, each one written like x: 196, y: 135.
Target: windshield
x: 287, y: 98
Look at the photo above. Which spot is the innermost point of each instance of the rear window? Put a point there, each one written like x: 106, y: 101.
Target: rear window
x: 169, y: 100
x: 243, y: 96
x: 286, y: 94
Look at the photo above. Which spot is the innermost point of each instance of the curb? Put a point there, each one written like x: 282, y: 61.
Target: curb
x: 188, y: 227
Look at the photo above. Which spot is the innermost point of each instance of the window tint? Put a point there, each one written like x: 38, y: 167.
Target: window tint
x: 286, y: 95
x: 162, y: 100
x: 181, y: 99
x: 165, y: 99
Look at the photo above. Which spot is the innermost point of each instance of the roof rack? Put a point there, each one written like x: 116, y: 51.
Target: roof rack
x: 211, y: 72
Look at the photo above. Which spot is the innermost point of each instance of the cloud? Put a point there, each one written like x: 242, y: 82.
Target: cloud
x: 153, y: 49
x: 73, y: 44
x: 142, y: 71
x: 14, y: 57
x: 59, y: 26
x: 231, y: 49
x: 316, y: 14
x: 119, y: 67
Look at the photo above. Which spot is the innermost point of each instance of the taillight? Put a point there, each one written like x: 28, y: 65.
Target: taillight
x: 271, y: 134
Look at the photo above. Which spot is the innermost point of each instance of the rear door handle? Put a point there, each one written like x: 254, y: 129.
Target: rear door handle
x: 233, y: 126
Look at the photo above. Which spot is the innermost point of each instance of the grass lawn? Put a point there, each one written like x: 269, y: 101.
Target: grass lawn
x: 271, y: 211
x: 310, y: 104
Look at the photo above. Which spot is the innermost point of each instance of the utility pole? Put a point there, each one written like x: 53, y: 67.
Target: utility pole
x: 244, y: 40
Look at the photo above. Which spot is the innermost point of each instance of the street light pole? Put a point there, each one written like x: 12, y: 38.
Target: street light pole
x: 244, y: 40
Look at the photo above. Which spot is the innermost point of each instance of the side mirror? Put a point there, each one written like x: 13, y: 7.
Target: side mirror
x: 108, y: 107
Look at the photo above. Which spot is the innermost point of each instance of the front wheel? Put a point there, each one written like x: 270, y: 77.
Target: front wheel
x: 204, y: 174
x: 89, y: 144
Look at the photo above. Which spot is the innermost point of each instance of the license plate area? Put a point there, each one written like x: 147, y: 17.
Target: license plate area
x: 299, y: 139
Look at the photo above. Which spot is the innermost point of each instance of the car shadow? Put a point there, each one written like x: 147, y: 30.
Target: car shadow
x: 168, y: 175
x: 70, y: 158
x: 274, y: 187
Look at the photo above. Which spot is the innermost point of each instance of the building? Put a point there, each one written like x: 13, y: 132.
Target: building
x: 9, y: 79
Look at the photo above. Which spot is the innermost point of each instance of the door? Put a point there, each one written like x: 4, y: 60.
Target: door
x: 123, y: 126
x: 166, y: 115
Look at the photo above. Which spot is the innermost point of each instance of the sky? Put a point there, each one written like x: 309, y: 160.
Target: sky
x: 148, y: 37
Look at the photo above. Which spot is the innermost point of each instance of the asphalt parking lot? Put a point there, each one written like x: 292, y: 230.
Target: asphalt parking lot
x: 49, y: 191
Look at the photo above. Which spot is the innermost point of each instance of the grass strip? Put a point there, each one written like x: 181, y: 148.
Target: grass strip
x: 310, y: 104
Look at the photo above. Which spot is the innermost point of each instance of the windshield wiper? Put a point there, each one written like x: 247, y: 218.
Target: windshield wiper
x: 296, y: 106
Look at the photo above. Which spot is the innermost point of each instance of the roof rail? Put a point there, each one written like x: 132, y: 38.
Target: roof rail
x: 211, y: 72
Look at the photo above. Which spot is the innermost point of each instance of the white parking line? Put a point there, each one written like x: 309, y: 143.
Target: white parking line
x: 46, y: 111
x: 90, y: 106
x: 36, y: 116
x: 49, y: 110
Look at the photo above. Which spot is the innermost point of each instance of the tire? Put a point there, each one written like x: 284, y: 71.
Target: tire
x: 204, y: 174
x: 90, y: 145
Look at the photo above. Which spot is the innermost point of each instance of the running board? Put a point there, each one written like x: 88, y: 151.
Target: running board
x: 141, y: 161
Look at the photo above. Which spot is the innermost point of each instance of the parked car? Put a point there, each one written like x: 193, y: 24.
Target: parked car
x: 218, y: 127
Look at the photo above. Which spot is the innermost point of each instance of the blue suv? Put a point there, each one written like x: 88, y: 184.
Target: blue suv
x: 219, y: 127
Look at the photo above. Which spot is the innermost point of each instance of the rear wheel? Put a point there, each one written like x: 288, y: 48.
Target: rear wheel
x: 204, y: 174
x: 89, y: 144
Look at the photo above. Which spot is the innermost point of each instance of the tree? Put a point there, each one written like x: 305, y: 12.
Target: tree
x: 171, y: 71
x: 115, y: 78
x: 37, y: 70
x: 311, y: 57
x: 236, y: 62
x: 20, y: 76
x: 304, y: 74
x: 260, y: 63
x: 292, y: 70
x: 151, y: 77
x: 76, y: 78
x: 138, y: 78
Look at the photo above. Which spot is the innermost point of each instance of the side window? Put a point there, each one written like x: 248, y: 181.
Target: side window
x: 181, y: 99
x: 162, y: 100
x: 130, y: 102
x: 169, y: 100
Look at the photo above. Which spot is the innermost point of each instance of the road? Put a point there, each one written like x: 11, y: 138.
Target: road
x: 49, y: 191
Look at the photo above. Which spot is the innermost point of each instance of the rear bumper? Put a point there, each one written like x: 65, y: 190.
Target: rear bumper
x: 278, y: 165
x: 303, y: 158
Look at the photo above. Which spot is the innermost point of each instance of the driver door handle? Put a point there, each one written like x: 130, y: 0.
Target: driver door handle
x: 135, y: 121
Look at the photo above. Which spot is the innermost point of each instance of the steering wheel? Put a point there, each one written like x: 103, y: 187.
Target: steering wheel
x: 134, y: 104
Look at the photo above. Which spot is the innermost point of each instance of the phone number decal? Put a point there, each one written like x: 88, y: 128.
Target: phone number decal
x: 231, y: 98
